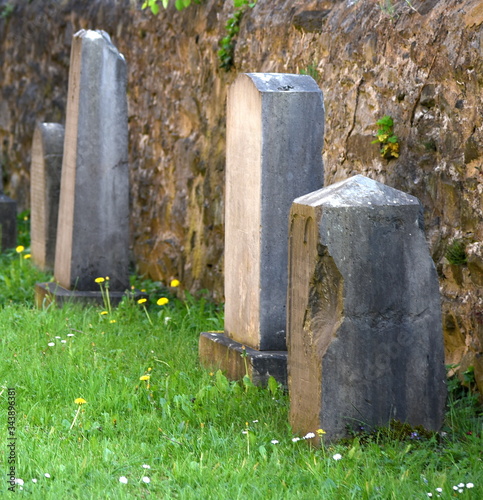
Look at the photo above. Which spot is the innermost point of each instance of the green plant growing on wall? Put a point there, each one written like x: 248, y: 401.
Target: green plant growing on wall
x: 388, y: 141
x: 6, y: 11
x: 226, y: 54
x: 312, y: 71
x: 456, y: 253
x: 179, y: 4
x: 227, y: 43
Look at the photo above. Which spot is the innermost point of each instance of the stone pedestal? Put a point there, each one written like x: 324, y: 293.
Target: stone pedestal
x: 229, y: 355
x: 46, y: 293
x: 274, y: 154
x: 365, y: 337
x: 45, y: 171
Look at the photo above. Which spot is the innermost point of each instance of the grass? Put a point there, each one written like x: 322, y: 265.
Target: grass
x: 150, y: 403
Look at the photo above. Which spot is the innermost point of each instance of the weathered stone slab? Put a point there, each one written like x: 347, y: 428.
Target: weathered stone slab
x: 45, y: 172
x: 8, y: 222
x: 274, y: 154
x: 92, y: 235
x: 365, y: 336
x: 275, y: 128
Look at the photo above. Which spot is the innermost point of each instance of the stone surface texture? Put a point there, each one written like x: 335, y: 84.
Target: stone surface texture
x: 93, y: 224
x: 274, y: 142
x: 365, y: 339
x: 423, y: 68
x: 45, y: 173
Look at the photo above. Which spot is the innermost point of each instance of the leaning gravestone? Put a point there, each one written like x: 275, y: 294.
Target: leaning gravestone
x: 365, y: 336
x: 275, y: 128
x: 45, y: 171
x: 92, y: 234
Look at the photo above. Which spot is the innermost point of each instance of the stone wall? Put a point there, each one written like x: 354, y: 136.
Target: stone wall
x: 423, y: 67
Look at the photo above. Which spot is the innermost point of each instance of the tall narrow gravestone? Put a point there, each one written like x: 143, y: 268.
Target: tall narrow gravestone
x: 274, y: 153
x: 92, y: 234
x: 365, y: 336
x: 45, y: 171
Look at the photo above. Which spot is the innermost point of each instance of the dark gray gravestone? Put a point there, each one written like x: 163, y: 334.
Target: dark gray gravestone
x: 8, y: 219
x: 275, y: 130
x: 8, y: 222
x: 365, y: 337
x: 92, y: 234
x: 47, y: 149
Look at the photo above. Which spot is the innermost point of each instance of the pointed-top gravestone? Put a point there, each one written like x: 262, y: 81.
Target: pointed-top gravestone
x: 45, y: 171
x: 275, y: 129
x: 92, y: 235
x: 365, y: 336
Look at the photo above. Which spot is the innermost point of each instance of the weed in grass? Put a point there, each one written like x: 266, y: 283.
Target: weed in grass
x: 104, y: 287
x: 142, y: 301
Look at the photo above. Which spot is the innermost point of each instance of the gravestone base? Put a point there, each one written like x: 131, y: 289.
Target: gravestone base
x: 47, y: 293
x: 8, y: 222
x: 219, y: 351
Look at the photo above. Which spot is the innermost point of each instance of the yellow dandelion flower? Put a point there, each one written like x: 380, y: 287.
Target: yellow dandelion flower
x: 162, y: 301
x: 27, y: 256
x: 103, y: 313
x: 80, y: 401
x: 149, y: 369
x: 112, y: 321
x: 320, y: 432
x: 107, y: 278
x: 142, y: 301
x: 174, y: 283
x: 144, y: 377
x: 100, y: 280
x: 20, y: 249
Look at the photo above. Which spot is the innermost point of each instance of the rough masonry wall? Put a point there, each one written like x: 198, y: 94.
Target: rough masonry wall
x: 423, y: 68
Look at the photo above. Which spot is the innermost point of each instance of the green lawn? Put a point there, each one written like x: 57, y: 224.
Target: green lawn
x: 184, y: 432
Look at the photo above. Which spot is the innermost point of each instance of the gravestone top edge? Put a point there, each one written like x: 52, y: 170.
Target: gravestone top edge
x: 357, y: 191
x: 96, y: 36
x: 93, y: 35
x: 283, y: 82
x: 51, y: 137
x: 50, y: 125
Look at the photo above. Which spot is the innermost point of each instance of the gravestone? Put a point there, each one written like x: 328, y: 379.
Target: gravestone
x: 92, y: 232
x: 8, y: 221
x: 275, y: 128
x: 47, y: 150
x: 365, y: 337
